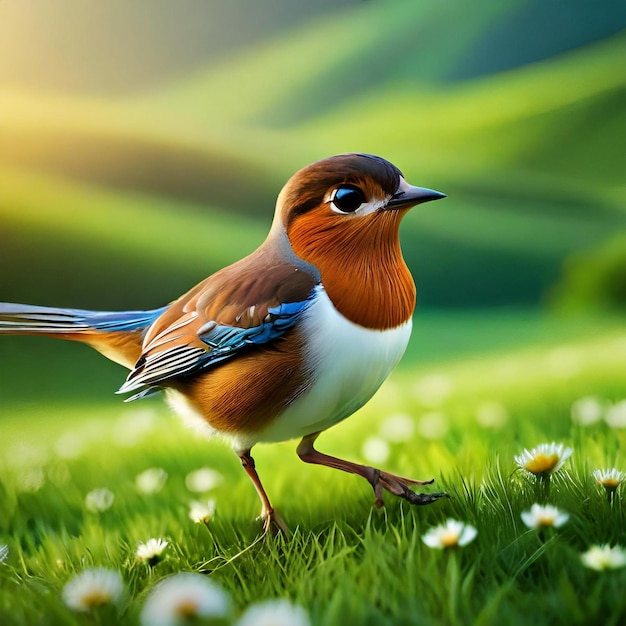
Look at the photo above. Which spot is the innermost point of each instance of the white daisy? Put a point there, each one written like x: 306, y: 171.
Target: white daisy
x: 151, y: 550
x: 587, y: 411
x: 397, y: 428
x: 203, y: 480
x: 615, y: 415
x: 433, y: 390
x: 4, y: 553
x: 99, y: 500
x: 604, y: 557
x: 375, y: 450
x: 93, y: 588
x: 274, y: 613
x: 184, y: 598
x: 70, y: 445
x: 491, y: 414
x: 450, y: 535
x: 151, y: 480
x: 610, y: 479
x: 433, y: 425
x: 544, y: 516
x: 545, y: 459
x: 31, y: 480
x: 202, y: 513
x: 134, y: 426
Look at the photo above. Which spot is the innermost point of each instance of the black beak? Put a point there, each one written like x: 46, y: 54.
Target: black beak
x: 410, y: 196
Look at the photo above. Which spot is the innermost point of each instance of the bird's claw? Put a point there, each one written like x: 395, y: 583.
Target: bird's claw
x: 424, y: 498
x: 399, y: 486
x: 273, y: 524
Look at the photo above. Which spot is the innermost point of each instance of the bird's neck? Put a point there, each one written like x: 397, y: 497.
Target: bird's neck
x: 361, y: 267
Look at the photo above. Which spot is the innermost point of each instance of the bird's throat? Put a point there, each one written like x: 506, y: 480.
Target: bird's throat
x: 361, y: 265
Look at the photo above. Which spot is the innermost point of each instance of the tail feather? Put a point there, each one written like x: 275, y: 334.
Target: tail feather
x: 116, y: 335
x: 29, y: 319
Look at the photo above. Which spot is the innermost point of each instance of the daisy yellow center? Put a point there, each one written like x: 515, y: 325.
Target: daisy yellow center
x: 96, y: 598
x: 542, y: 463
x: 449, y: 540
x: 546, y: 520
x: 605, y: 561
x: 610, y: 483
x: 187, y: 609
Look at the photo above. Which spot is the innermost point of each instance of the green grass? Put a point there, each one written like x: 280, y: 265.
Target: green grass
x: 346, y: 563
x: 125, y: 203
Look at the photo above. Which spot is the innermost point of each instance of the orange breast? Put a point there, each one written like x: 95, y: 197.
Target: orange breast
x: 361, y: 265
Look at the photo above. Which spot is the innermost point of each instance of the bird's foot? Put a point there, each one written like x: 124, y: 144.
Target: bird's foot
x: 273, y: 523
x: 399, y: 486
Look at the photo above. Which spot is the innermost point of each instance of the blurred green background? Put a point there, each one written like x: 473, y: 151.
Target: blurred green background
x: 142, y: 146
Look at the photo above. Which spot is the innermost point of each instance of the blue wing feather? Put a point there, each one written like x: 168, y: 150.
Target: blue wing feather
x: 222, y: 342
x: 223, y: 339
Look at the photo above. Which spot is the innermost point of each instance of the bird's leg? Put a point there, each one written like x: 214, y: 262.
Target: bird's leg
x: 271, y: 519
x: 397, y: 485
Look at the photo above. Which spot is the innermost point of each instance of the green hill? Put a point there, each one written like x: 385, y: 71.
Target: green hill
x: 118, y: 46
x: 348, y: 55
x: 329, y: 62
x: 531, y: 159
x: 118, y: 248
x: 552, y: 111
x: 561, y: 118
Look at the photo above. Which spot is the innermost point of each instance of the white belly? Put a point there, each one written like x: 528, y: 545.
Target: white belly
x: 350, y: 363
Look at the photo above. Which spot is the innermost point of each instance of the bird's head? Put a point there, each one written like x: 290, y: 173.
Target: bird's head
x: 342, y: 215
x: 346, y: 192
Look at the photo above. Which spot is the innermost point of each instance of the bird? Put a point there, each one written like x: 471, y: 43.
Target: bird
x: 286, y: 342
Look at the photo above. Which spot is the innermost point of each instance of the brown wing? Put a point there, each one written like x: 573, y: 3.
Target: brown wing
x: 251, y: 302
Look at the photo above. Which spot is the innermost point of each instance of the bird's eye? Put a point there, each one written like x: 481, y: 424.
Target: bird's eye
x: 347, y: 199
